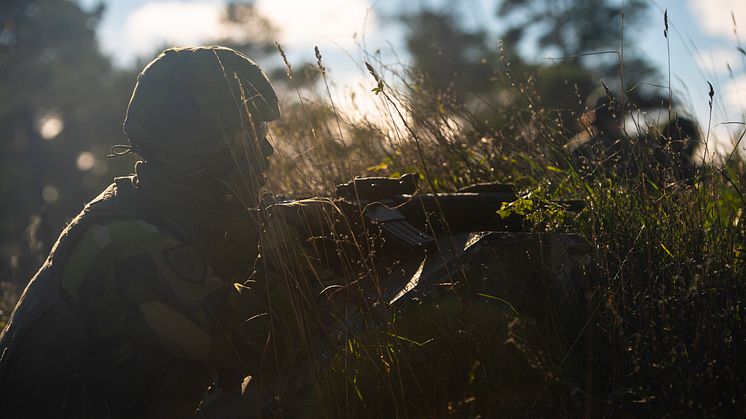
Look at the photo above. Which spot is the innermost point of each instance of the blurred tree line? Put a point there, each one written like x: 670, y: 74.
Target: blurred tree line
x: 581, y: 40
x: 63, y: 102
x: 61, y: 111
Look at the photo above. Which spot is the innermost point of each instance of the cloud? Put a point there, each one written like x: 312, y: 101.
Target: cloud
x: 330, y: 23
x: 717, y: 60
x: 715, y: 16
x: 734, y: 93
x: 352, y: 93
x: 305, y: 24
x: 173, y: 23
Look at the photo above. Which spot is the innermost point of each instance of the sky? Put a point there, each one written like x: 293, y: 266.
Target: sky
x: 702, y: 44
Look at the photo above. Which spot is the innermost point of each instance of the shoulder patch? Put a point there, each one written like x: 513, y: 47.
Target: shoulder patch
x: 185, y: 262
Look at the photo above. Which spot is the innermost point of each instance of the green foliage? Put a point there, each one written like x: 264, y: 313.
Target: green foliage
x: 536, y: 207
x: 441, y: 358
x: 663, y: 331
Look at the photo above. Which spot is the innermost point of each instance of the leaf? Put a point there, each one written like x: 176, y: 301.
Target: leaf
x: 504, y: 212
x: 668, y: 252
x: 380, y: 167
x: 408, y: 340
x: 492, y: 297
x: 378, y: 89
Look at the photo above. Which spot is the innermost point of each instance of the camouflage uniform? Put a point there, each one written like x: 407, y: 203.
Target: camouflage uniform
x: 128, y: 317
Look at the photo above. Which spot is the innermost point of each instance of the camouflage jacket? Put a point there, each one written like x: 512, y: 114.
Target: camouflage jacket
x: 124, y: 319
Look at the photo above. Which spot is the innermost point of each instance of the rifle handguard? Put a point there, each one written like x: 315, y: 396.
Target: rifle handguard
x: 372, y: 188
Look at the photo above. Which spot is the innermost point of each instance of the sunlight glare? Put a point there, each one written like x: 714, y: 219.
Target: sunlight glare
x: 716, y: 17
x: 50, y: 194
x: 50, y: 124
x: 173, y: 23
x: 85, y: 161
x: 322, y: 22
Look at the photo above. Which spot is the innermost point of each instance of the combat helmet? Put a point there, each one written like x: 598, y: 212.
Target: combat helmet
x: 189, y: 102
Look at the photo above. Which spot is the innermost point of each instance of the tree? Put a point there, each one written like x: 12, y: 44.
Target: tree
x: 445, y: 57
x: 62, y: 109
x: 572, y: 29
x: 255, y: 35
x: 493, y: 83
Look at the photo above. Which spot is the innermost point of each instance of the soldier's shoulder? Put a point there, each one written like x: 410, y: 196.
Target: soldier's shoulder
x: 131, y: 244
x: 113, y: 239
x: 125, y: 233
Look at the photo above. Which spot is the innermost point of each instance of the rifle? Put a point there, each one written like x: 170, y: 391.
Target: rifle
x: 399, y: 226
x: 412, y: 220
x: 417, y: 220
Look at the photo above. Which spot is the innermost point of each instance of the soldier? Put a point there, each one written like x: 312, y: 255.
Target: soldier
x: 660, y: 153
x: 603, y: 137
x: 134, y: 311
x: 676, y: 147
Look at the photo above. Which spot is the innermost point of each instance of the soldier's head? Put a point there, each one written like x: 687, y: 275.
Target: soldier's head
x: 605, y: 112
x: 199, y: 114
x: 681, y: 135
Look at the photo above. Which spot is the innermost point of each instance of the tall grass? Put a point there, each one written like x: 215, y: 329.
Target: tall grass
x: 662, y: 330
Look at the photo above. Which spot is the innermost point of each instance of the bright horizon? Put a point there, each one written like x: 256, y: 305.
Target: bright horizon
x: 703, y: 43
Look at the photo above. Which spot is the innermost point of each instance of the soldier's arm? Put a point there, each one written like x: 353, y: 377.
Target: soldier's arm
x: 140, y: 283
x: 294, y: 281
